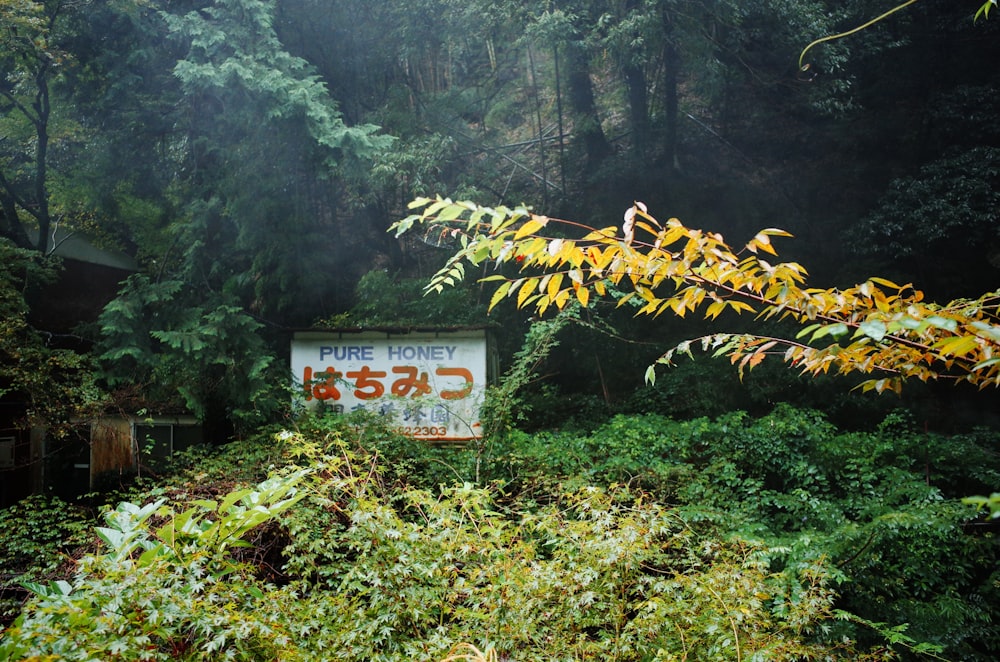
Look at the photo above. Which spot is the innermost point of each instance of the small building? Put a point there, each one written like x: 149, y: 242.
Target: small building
x: 94, y: 455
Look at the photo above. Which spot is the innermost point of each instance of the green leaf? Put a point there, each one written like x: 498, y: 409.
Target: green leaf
x: 945, y: 323
x: 451, y: 212
x: 990, y: 330
x: 40, y: 590
x: 111, y: 537
x: 874, y: 329
x: 835, y: 330
x: 984, y: 11
x: 807, y: 330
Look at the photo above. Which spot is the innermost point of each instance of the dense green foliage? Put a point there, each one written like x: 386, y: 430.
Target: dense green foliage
x: 387, y: 301
x: 861, y: 499
x: 56, y: 384
x: 249, y: 155
x: 210, y: 357
x: 647, y: 538
x: 948, y: 206
x: 41, y: 535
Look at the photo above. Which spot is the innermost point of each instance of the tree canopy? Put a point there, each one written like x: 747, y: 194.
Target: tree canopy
x: 249, y: 154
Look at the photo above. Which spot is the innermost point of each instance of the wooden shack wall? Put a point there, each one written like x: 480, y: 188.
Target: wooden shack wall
x: 112, y: 448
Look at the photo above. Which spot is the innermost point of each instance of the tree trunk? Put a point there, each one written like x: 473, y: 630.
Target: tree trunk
x: 10, y: 225
x: 638, y: 98
x: 671, y: 65
x: 638, y: 105
x: 559, y: 112
x: 41, y: 160
x: 580, y: 92
x: 35, y: 202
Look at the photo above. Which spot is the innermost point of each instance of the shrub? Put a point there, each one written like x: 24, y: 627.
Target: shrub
x: 37, y: 536
x: 577, y: 555
x: 878, y: 506
x: 164, y: 586
x: 591, y: 574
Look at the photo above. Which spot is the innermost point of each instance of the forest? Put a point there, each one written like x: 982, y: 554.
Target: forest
x: 739, y: 261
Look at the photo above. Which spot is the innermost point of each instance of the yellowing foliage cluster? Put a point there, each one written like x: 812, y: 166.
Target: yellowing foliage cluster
x: 876, y: 328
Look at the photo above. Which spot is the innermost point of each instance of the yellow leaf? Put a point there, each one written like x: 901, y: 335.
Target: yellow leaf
x: 762, y: 242
x: 671, y: 235
x: 553, y: 286
x: 533, y: 249
x: 530, y: 227
x: 885, y: 282
x: 740, y: 306
x: 606, y: 257
x: 649, y: 308
x: 647, y: 227
x: 603, y: 234
x: 678, y: 306
x: 592, y: 255
x: 573, y: 254
x: 775, y: 232
x: 562, y: 298
x: 499, y: 294
x: 543, y: 283
x: 526, y: 289
x: 715, y: 309
x: 583, y: 296
x: 957, y: 346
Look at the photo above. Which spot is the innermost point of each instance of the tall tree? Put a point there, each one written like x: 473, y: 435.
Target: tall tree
x: 266, y: 154
x: 263, y: 161
x: 33, y: 57
x: 587, y: 127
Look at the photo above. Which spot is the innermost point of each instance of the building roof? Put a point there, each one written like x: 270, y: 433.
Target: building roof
x: 74, y: 245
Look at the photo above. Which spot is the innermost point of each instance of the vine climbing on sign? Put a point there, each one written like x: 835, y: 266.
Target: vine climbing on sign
x: 876, y: 328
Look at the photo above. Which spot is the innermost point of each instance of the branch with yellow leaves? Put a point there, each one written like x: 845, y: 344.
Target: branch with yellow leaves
x: 875, y: 328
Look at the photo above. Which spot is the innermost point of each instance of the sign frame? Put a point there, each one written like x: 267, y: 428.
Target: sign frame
x: 431, y: 382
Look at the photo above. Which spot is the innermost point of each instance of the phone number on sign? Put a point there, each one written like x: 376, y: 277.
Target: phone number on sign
x: 425, y: 431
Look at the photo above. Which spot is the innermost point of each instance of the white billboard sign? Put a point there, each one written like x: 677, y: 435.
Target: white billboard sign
x: 431, y: 384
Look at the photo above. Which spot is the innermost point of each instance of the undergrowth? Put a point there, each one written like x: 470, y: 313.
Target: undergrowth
x: 733, y: 538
